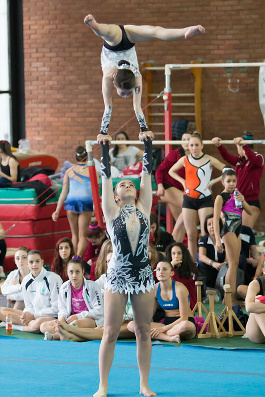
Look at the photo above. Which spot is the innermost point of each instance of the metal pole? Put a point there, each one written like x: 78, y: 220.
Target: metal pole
x: 94, y: 185
x: 205, y: 142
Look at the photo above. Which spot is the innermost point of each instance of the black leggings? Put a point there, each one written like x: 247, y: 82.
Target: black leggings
x: 2, y: 251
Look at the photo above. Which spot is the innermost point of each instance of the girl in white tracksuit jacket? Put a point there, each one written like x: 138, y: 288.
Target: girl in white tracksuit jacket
x: 40, y: 290
x: 80, y: 302
x: 12, y: 287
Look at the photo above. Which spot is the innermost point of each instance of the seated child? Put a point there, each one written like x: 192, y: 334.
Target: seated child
x: 80, y: 302
x: 40, y: 290
x: 12, y: 287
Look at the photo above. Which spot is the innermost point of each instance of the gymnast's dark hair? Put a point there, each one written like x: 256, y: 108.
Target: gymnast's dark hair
x: 79, y: 262
x: 6, y: 148
x: 34, y: 252
x: 116, y: 147
x: 187, y: 266
x: 124, y: 78
x: 80, y: 153
x: 228, y: 171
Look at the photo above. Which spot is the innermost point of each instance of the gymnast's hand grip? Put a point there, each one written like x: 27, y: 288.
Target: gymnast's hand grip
x: 105, y: 160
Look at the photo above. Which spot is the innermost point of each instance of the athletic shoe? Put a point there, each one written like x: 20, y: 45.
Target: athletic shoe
x: 48, y: 336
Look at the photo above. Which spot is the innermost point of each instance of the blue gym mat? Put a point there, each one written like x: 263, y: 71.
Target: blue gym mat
x: 43, y: 368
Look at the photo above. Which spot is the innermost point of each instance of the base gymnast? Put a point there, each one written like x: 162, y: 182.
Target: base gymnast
x: 119, y: 60
x: 129, y: 271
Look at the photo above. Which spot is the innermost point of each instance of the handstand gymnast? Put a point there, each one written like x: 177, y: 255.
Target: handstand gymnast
x: 119, y: 60
x: 129, y: 271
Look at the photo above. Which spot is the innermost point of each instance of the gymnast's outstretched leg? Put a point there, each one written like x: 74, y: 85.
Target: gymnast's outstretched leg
x: 112, y: 33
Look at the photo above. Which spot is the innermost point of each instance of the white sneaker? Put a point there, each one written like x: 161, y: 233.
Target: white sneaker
x: 2, y: 324
x: 48, y: 336
x: 17, y: 327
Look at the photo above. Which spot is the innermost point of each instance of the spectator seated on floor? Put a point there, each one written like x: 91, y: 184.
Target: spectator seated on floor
x: 210, y: 260
x: 185, y: 270
x: 255, y: 305
x: 40, y: 290
x: 64, y: 251
x: 99, y: 265
x: 80, y: 302
x: 158, y: 237
x: 173, y: 319
x: 12, y: 287
x: 123, y: 155
x: 249, y: 255
x: 96, y: 237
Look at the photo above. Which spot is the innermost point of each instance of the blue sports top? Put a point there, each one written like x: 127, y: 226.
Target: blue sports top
x: 168, y: 305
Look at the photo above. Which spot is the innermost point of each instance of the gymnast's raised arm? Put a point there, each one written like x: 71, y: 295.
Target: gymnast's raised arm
x: 145, y: 196
x: 109, y: 207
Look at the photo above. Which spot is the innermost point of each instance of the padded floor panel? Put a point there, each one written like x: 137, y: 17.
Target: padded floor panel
x: 43, y: 242
x: 23, y: 196
x: 28, y: 212
x: 35, y: 227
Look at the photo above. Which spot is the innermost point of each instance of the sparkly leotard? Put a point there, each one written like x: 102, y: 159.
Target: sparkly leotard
x: 79, y: 198
x: 232, y: 214
x: 129, y: 270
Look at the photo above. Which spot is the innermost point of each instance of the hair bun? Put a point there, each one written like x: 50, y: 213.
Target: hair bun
x: 123, y: 62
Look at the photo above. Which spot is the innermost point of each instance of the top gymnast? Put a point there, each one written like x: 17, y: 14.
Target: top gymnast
x: 119, y: 61
x: 129, y: 270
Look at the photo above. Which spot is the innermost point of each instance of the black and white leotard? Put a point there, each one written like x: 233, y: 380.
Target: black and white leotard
x: 129, y: 269
x: 125, y: 50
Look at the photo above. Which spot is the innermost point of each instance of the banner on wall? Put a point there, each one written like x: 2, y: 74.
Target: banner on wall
x: 262, y: 91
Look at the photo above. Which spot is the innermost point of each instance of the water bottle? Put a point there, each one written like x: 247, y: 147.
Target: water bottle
x: 9, y: 325
x: 238, y: 204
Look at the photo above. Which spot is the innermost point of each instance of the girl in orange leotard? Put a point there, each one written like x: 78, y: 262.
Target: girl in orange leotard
x: 197, y: 185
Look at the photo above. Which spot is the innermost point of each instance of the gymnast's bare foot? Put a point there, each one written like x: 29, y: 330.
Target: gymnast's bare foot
x: 102, y: 392
x: 145, y: 391
x: 91, y: 22
x: 194, y: 31
x: 175, y: 338
x: 64, y: 335
x: 65, y: 326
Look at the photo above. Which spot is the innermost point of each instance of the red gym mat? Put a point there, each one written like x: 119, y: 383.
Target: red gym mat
x: 28, y: 211
x: 39, y: 242
x: 35, y: 227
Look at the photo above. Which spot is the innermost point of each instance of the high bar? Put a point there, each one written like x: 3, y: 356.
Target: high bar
x: 205, y: 65
x: 206, y: 142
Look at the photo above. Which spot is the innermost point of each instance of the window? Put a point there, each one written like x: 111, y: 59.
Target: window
x: 12, y: 91
x: 5, y: 92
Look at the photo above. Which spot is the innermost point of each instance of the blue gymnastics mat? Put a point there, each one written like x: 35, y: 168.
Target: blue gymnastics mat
x: 43, y: 368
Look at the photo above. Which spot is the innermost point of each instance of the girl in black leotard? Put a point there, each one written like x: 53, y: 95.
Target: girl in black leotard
x: 9, y: 167
x: 230, y: 232
x: 129, y: 270
x: 119, y: 61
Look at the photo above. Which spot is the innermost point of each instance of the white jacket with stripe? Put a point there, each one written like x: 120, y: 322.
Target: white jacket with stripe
x: 41, y: 293
x: 92, y: 298
x: 14, y: 290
